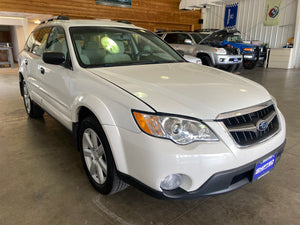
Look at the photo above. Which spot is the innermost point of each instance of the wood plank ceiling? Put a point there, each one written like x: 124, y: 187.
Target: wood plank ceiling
x: 152, y: 15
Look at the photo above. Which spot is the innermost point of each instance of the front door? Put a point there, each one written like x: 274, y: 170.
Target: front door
x: 57, y: 79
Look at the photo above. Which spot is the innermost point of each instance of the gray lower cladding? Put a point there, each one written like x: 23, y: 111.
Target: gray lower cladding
x: 219, y: 183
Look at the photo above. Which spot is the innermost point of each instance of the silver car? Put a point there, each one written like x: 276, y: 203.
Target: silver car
x: 227, y: 58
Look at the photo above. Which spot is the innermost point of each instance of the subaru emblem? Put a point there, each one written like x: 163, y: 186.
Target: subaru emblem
x: 262, y: 125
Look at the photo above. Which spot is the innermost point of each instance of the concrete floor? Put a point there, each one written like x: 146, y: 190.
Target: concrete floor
x: 42, y: 180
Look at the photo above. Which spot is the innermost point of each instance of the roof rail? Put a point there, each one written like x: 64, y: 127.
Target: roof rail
x: 55, y: 18
x: 124, y: 21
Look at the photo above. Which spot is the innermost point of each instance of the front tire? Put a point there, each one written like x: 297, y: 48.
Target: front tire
x: 206, y: 60
x: 32, y: 109
x: 97, y: 158
x: 249, y: 65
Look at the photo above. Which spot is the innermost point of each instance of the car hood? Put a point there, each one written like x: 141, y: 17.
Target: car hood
x: 186, y: 88
x: 239, y: 45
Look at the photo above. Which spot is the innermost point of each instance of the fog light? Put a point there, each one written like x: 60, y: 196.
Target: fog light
x: 171, y: 182
x: 222, y: 59
x: 247, y: 56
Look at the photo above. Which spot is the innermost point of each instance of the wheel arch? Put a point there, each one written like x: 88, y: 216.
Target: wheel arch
x: 201, y: 54
x: 92, y: 106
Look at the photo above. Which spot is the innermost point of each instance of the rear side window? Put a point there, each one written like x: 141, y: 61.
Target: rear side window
x: 39, y: 39
x: 176, y: 38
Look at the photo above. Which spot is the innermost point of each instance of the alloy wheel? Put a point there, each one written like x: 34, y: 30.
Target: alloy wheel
x: 94, y: 155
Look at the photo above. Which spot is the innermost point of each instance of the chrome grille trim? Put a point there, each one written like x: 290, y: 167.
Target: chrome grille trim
x: 244, y: 111
x: 251, y: 126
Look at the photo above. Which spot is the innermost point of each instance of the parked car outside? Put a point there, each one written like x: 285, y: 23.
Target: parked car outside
x: 141, y: 115
x: 227, y: 58
x: 232, y: 37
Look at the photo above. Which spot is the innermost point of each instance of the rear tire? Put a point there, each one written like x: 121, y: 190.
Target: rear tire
x: 32, y: 109
x: 97, y: 158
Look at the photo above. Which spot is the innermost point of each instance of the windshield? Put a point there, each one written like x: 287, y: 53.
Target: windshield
x: 197, y: 37
x: 106, y: 46
x: 235, y: 38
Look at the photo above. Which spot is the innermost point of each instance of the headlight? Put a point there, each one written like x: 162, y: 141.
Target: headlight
x: 179, y: 130
x: 220, y: 51
x: 248, y: 49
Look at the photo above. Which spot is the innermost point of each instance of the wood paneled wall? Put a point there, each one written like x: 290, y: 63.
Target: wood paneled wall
x: 150, y: 14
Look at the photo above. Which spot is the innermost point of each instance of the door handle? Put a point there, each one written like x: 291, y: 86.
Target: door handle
x: 42, y: 69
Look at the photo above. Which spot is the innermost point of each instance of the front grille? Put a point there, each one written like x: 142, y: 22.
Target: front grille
x: 232, y: 51
x: 231, y: 60
x: 254, y: 127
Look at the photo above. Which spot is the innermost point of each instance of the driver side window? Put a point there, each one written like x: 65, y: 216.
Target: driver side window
x: 38, y: 40
x: 57, y: 41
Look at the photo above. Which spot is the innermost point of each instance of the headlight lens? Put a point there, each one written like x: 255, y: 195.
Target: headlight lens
x: 179, y: 130
x: 221, y: 51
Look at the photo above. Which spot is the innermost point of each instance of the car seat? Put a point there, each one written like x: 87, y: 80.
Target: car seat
x: 93, y: 52
x: 117, y: 57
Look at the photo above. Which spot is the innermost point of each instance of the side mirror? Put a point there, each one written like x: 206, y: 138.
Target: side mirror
x: 188, y: 41
x: 55, y: 58
x: 181, y: 52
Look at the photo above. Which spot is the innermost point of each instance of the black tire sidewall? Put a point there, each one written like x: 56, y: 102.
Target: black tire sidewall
x: 31, y: 103
x: 92, y: 123
x: 249, y: 64
x: 35, y: 110
x: 206, y: 60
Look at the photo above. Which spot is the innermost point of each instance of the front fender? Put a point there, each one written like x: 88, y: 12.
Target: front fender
x: 96, y: 106
x: 104, y: 116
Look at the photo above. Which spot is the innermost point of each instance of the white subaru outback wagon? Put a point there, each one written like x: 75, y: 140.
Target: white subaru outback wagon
x: 141, y: 115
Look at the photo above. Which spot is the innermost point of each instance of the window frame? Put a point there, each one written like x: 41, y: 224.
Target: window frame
x: 37, y: 30
x: 78, y: 59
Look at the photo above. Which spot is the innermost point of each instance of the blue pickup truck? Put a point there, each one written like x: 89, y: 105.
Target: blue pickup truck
x: 231, y: 37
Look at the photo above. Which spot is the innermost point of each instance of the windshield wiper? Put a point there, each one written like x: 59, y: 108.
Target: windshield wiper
x: 139, y: 63
x: 163, y: 61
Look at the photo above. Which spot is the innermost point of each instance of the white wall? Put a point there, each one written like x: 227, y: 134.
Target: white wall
x: 18, y: 39
x: 18, y: 30
x: 31, y: 27
x: 296, y: 53
x: 250, y: 21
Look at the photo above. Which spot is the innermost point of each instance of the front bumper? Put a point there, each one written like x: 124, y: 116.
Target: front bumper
x: 219, y: 183
x: 228, y: 59
x: 253, y: 57
x: 144, y: 161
